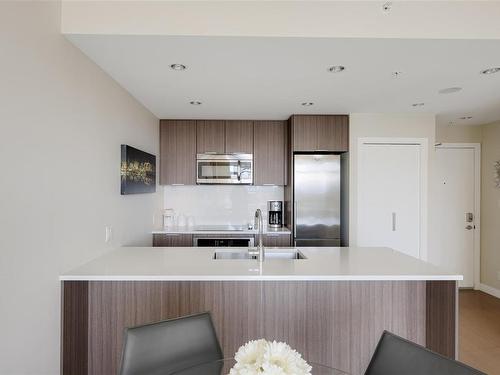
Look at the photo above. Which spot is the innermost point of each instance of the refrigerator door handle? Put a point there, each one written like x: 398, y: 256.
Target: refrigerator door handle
x: 295, y: 206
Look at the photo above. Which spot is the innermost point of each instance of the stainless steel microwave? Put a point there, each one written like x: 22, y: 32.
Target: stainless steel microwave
x: 224, y: 169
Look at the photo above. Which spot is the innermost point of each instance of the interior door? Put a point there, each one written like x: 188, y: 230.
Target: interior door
x: 389, y: 197
x: 455, y: 214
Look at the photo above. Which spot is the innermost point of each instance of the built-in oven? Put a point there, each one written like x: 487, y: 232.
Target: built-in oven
x: 223, y: 241
x: 224, y: 169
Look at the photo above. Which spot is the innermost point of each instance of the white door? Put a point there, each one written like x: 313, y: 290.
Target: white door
x: 455, y: 199
x: 389, y: 196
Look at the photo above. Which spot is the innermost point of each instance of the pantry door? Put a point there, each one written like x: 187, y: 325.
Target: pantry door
x: 391, y: 195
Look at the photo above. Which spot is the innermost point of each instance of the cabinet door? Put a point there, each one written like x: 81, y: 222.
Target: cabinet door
x: 172, y: 240
x: 320, y: 133
x: 239, y: 137
x: 210, y: 136
x: 177, y: 152
x: 269, y: 152
x: 276, y: 240
x: 333, y: 133
x: 305, y: 133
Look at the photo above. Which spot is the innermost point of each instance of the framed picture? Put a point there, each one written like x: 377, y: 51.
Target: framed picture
x: 138, y: 171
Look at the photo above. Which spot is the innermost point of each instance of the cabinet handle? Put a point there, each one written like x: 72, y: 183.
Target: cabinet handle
x: 393, y: 221
x: 269, y: 185
x: 210, y: 152
x: 172, y: 234
x: 321, y: 150
x: 177, y: 184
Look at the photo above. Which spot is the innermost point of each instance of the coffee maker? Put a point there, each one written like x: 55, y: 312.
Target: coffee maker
x: 275, y: 214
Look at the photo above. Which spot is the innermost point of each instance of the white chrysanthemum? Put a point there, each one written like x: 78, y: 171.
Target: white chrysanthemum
x: 251, y: 354
x: 282, y: 355
x: 261, y: 357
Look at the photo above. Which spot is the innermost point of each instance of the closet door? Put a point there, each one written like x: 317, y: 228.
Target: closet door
x: 389, y: 197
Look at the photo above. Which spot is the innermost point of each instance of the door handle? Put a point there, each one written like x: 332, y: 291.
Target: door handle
x: 469, y: 227
x: 239, y: 171
x: 295, y: 207
x: 393, y: 221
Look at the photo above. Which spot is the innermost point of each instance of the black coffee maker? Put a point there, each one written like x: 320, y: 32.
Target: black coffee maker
x: 275, y: 214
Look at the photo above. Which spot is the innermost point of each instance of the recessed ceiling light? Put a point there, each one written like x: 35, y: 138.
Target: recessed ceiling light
x: 195, y: 102
x: 465, y: 118
x: 418, y: 104
x: 336, y: 69
x: 490, y: 70
x: 178, y: 67
x: 450, y: 90
x: 307, y: 104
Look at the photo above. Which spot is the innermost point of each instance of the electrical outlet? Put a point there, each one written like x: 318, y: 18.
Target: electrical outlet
x: 109, y: 233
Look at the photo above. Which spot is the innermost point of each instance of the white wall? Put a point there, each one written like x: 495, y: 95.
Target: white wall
x: 223, y: 204
x: 490, y: 207
x: 341, y: 19
x: 62, y: 121
x: 403, y: 125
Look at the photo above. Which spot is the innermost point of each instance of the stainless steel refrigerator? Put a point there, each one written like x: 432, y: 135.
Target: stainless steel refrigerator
x: 317, y: 200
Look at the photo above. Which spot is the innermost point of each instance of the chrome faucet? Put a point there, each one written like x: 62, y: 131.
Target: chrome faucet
x: 260, y: 247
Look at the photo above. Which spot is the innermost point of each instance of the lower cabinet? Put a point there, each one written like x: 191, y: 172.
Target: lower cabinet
x: 172, y: 240
x: 276, y: 240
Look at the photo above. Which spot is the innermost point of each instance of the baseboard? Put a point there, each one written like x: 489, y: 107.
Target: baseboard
x: 490, y: 290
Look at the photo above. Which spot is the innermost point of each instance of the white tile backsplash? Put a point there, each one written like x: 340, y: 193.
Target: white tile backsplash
x: 219, y: 205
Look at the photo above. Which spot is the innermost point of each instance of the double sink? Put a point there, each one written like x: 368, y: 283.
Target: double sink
x: 270, y: 253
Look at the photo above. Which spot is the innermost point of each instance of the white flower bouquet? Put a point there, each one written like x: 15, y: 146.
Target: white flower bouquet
x: 262, y: 357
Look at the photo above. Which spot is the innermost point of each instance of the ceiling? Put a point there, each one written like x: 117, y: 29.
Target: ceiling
x: 269, y: 77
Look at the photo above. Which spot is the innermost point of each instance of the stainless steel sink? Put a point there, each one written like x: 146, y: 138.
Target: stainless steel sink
x: 291, y: 254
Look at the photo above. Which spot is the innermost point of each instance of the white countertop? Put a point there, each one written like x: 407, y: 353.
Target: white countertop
x: 197, y: 263
x: 194, y: 230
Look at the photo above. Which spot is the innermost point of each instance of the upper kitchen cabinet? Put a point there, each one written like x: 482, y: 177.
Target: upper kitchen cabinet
x: 177, y: 152
x: 320, y: 133
x: 239, y: 137
x: 210, y: 136
x: 269, y: 152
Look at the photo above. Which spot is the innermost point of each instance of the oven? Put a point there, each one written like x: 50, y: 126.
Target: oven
x: 223, y: 241
x: 224, y: 169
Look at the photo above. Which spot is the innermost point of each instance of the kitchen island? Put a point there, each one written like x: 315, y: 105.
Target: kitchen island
x: 332, y: 306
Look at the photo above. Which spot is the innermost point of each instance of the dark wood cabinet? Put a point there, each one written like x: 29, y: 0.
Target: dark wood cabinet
x: 269, y: 153
x: 172, y: 240
x: 210, y: 136
x: 320, y: 133
x: 177, y: 152
x: 239, y: 137
x: 276, y: 240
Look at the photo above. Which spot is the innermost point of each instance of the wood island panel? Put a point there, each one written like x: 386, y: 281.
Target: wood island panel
x: 337, y: 323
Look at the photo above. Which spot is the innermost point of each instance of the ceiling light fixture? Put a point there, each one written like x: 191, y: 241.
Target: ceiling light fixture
x: 178, y: 67
x: 450, y: 90
x: 465, y: 118
x: 386, y: 8
x: 490, y: 70
x: 336, y: 69
x: 307, y: 104
x: 418, y: 104
x: 195, y: 102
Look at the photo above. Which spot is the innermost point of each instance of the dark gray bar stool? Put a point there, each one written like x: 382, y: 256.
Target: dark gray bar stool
x: 169, y: 346
x: 396, y: 356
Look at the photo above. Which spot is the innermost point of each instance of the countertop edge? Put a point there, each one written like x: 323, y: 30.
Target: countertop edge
x: 265, y: 278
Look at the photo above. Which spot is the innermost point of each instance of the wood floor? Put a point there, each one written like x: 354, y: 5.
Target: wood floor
x: 479, y: 331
